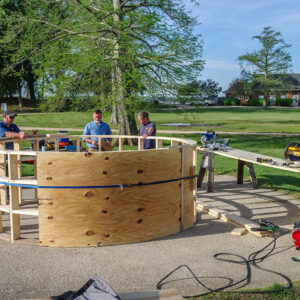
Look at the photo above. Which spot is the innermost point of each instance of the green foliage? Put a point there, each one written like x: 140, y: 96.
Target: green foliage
x: 231, y: 101
x: 254, y: 102
x: 283, y: 102
x: 227, y: 101
x: 54, y: 104
x: 257, y: 102
x: 235, y: 101
x: 270, y: 63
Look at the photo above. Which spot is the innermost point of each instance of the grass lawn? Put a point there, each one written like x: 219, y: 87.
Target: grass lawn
x: 221, y: 119
x: 230, y: 119
x: 288, y: 294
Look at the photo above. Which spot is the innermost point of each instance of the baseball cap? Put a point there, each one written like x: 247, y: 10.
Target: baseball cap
x: 9, y: 113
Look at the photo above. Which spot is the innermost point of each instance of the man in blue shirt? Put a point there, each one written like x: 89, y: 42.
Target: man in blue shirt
x: 147, y: 128
x: 97, y: 127
x: 10, y: 130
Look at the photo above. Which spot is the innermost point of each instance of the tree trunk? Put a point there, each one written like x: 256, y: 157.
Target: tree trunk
x: 29, y: 81
x: 114, y: 116
x: 126, y: 120
x: 19, y: 94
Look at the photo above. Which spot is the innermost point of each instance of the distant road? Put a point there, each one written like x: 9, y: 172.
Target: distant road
x: 170, y: 131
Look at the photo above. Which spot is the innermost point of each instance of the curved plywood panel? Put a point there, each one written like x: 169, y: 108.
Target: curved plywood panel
x: 110, y: 216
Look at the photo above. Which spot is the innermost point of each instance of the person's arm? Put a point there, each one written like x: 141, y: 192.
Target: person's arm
x: 86, y: 131
x: 149, y: 132
x: 110, y: 133
x: 20, y: 135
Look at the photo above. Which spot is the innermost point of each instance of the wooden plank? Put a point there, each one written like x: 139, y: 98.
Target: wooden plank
x: 169, y: 294
x: 5, y: 208
x: 109, y: 216
x: 3, y: 175
x: 14, y: 197
x: 78, y: 144
x: 121, y: 141
x: 211, y: 172
x: 29, y: 212
x: 140, y: 144
x: 233, y: 219
x: 159, y: 143
x: 6, y: 237
x: 239, y: 231
x: 240, y: 172
x: 174, y: 143
x: 252, y: 175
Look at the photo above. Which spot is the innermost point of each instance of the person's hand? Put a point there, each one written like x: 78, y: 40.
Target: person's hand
x: 94, y: 143
x: 144, y: 135
x: 23, y: 135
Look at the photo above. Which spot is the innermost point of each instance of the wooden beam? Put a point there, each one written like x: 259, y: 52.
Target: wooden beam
x: 211, y: 172
x: 3, y: 174
x: 240, y: 174
x: 252, y: 175
x: 14, y: 199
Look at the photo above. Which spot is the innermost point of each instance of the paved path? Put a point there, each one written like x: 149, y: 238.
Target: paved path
x: 32, y: 271
x: 170, y: 131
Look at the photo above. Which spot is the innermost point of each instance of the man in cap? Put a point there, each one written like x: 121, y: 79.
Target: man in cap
x: 9, y: 129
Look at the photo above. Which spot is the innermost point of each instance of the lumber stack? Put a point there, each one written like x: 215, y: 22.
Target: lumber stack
x: 238, y: 221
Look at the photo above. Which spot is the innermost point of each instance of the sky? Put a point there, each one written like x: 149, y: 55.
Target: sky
x: 227, y: 27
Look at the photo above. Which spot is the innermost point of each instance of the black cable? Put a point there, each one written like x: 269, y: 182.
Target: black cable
x: 253, y: 260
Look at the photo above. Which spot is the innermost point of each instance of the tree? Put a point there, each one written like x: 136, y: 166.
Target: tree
x: 200, y: 89
x: 137, y: 45
x: 272, y: 59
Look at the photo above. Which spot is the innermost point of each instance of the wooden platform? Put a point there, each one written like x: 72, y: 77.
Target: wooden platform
x: 244, y: 158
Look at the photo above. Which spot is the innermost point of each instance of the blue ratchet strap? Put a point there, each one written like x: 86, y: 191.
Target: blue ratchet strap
x: 95, y: 186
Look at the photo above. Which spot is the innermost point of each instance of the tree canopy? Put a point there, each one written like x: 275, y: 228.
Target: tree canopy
x: 110, y: 50
x: 271, y: 59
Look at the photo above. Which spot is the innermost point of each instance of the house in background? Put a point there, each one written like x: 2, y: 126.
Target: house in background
x: 291, y: 90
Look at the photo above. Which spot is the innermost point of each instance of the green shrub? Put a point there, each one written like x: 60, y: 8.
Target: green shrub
x: 235, y: 101
x: 283, y: 102
x: 253, y: 102
x: 227, y: 101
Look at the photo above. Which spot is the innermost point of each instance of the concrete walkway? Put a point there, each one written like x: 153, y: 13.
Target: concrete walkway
x: 32, y: 271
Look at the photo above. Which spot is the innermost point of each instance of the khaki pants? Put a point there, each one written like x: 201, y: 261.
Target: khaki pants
x: 90, y: 149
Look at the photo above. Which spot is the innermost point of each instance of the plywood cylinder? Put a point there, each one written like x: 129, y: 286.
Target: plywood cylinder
x: 80, y: 217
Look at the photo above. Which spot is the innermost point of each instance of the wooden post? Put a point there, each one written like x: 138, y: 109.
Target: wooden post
x: 203, y: 165
x: 252, y: 175
x: 3, y: 173
x: 35, y: 147
x: 240, y: 174
x: 182, y: 191
x: 17, y: 147
x: 13, y: 197
x: 174, y: 143
x: 77, y: 144
x: 159, y: 143
x: 211, y: 172
x: 99, y: 143
x: 1, y: 226
x: 56, y: 145
x: 140, y: 144
x: 121, y: 141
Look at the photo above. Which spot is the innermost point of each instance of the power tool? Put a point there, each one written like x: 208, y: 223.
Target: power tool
x: 265, y: 226
x: 292, y: 154
x: 210, y: 140
x: 296, y: 235
x: 261, y: 160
